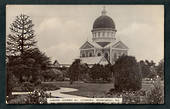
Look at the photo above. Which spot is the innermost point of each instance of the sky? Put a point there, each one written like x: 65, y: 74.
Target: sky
x: 62, y: 29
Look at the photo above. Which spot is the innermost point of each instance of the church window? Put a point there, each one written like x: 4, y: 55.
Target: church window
x: 86, y: 54
x: 103, y: 33
x: 106, y: 56
x: 83, y: 55
x: 99, y: 54
x: 94, y: 34
x: 99, y: 34
x: 90, y: 54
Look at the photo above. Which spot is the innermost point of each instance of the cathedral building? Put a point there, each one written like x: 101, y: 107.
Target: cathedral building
x: 104, y: 47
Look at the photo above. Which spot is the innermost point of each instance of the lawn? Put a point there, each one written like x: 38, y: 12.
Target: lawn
x: 86, y: 89
x: 97, y: 90
x: 92, y: 89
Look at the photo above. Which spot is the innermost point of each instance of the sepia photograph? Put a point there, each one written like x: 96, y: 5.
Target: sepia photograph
x: 102, y: 54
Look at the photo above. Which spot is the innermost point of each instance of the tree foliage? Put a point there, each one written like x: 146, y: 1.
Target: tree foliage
x: 160, y: 69
x: 75, y: 70
x: 156, y: 95
x: 107, y: 72
x: 100, y: 72
x: 147, y: 69
x: 127, y: 74
x: 26, y: 62
x: 37, y: 58
x: 31, y: 64
x: 95, y: 71
x: 22, y: 35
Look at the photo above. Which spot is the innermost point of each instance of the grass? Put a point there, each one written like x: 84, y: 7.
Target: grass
x: 92, y: 89
x: 97, y: 90
x: 30, y: 87
x: 86, y: 89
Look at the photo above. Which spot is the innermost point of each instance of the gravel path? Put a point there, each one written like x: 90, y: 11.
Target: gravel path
x: 58, y: 93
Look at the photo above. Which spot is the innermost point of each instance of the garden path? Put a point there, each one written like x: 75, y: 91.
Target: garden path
x: 56, y: 93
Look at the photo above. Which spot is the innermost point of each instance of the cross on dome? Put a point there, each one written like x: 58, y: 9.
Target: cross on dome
x: 104, y: 11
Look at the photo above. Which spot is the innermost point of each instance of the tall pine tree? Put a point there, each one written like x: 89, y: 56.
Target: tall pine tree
x: 22, y: 36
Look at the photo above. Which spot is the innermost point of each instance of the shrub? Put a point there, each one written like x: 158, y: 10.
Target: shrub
x: 127, y: 74
x: 38, y: 82
x: 37, y: 97
x: 95, y: 72
x: 19, y: 99
x: 156, y: 95
x: 129, y: 97
x: 27, y: 86
x: 12, y: 82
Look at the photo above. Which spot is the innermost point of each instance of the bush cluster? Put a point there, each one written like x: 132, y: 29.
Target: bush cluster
x: 156, y: 94
x: 37, y: 97
x: 129, y: 97
x: 127, y: 74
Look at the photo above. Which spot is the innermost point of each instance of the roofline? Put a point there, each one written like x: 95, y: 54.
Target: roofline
x: 85, y: 43
x: 119, y: 49
x: 87, y: 48
x: 97, y: 29
x: 121, y: 42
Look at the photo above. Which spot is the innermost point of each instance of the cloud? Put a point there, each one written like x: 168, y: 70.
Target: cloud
x: 62, y: 29
x: 60, y: 40
x: 144, y: 41
x: 63, y: 52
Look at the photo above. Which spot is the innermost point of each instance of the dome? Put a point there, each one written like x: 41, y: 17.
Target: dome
x: 104, y: 21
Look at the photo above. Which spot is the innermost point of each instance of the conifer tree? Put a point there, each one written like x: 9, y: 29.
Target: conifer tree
x: 22, y: 36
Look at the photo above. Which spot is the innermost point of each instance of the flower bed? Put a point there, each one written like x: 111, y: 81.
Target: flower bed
x: 129, y: 97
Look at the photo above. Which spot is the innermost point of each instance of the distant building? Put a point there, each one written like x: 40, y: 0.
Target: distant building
x: 56, y: 63
x: 104, y: 47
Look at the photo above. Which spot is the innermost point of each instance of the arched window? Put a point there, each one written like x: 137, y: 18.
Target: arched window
x: 94, y: 34
x: 103, y: 33
x: 99, y: 34
x: 99, y: 54
x: 86, y: 54
x: 90, y: 54
x: 83, y: 55
x: 106, y: 56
